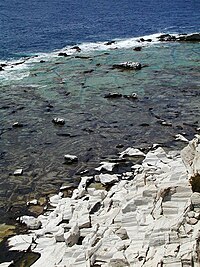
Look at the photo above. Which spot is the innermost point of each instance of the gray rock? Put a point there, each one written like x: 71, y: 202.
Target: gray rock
x: 195, y: 201
x: 58, y: 121
x: 70, y: 158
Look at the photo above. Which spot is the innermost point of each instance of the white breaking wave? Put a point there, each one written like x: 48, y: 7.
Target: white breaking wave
x: 17, y: 70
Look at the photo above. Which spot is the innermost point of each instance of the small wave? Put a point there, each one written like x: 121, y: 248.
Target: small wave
x: 14, y: 70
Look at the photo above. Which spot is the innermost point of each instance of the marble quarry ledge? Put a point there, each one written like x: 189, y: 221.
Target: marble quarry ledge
x: 148, y: 217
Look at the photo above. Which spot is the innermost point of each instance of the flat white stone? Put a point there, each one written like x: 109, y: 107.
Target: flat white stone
x: 18, y: 172
x: 132, y: 152
x: 181, y: 138
x: 20, y: 242
x: 107, y: 178
x: 6, y: 264
x: 31, y: 222
x: 51, y: 256
x: 108, y: 166
x: 55, y: 199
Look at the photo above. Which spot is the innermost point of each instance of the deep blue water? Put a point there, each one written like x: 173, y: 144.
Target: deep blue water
x: 28, y: 26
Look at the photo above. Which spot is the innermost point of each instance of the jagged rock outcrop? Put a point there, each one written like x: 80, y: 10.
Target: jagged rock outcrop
x: 149, y: 217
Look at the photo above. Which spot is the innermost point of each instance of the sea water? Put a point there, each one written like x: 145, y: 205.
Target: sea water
x: 37, y: 85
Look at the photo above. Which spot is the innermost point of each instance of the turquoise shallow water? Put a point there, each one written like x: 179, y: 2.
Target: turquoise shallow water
x: 73, y: 88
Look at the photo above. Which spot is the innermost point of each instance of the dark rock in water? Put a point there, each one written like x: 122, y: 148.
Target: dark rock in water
x: 67, y: 93
x: 143, y: 40
x: 49, y: 105
x: 144, y: 124
x: 195, y: 37
x: 1, y: 69
x: 128, y: 66
x: 3, y: 65
x: 83, y: 57
x: 132, y: 96
x: 88, y: 71
x: 119, y: 146
x: 77, y: 48
x: 58, y: 121
x: 42, y: 61
x: 166, y: 38
x: 64, y: 134
x: 63, y: 54
x: 113, y: 95
x: 110, y: 43
x: 137, y: 48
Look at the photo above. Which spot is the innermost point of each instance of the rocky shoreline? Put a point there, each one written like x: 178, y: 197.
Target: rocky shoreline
x: 149, y: 216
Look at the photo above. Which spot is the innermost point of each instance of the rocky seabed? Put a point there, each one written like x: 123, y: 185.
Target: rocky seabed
x: 148, y: 217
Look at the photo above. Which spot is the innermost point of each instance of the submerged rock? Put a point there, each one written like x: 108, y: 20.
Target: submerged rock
x: 128, y: 66
x: 113, y: 95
